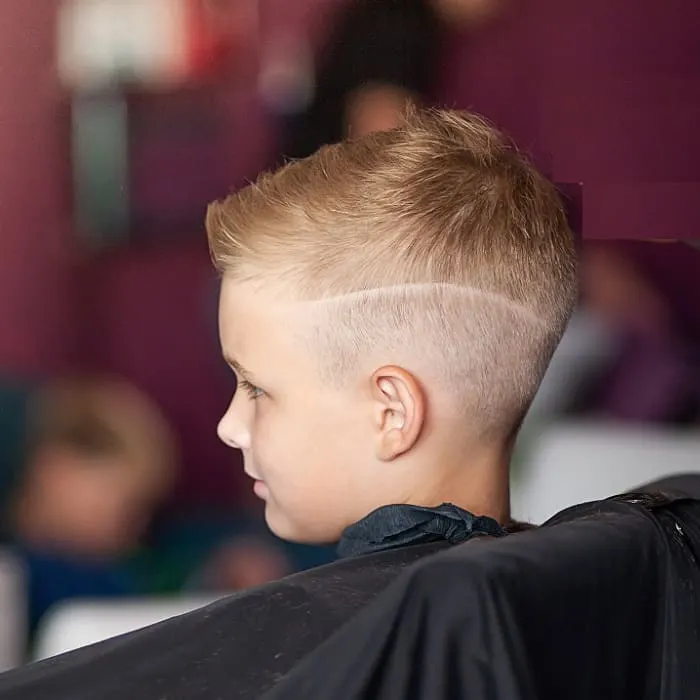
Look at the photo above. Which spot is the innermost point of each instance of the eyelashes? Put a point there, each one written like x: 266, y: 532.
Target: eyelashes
x: 254, y: 392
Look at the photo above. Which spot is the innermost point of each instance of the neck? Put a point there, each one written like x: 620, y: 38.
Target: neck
x: 478, y: 482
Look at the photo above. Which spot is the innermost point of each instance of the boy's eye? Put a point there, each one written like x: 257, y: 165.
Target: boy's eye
x: 254, y: 392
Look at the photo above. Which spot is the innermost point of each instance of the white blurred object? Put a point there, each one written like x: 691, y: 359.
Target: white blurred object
x: 13, y: 612
x: 102, y: 42
x: 568, y: 464
x: 77, y: 624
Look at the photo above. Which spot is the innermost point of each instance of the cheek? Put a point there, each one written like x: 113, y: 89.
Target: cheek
x: 280, y: 445
x: 305, y: 454
x: 314, y: 463
x: 294, y: 464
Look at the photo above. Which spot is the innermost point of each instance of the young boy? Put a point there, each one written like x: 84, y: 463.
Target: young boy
x: 389, y: 307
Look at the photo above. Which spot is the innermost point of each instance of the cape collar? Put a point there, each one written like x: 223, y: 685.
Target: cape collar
x: 395, y: 526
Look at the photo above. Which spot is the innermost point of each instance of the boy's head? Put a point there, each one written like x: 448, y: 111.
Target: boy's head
x: 390, y: 305
x: 102, y: 459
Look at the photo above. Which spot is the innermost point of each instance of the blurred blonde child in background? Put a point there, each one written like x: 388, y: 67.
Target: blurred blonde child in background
x: 102, y: 458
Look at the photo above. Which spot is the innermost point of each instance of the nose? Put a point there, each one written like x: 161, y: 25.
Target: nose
x: 233, y: 427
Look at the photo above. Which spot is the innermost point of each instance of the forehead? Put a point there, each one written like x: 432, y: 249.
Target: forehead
x: 242, y: 307
x: 255, y: 323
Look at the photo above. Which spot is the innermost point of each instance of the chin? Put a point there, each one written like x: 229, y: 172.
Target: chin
x: 279, y: 525
x: 285, y: 529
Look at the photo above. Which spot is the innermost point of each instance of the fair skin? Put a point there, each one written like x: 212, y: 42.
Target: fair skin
x: 323, y: 457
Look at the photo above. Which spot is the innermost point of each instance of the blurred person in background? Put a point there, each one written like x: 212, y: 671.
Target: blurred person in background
x: 101, y: 459
x: 626, y: 355
x: 381, y: 55
x: 242, y: 562
x: 652, y: 377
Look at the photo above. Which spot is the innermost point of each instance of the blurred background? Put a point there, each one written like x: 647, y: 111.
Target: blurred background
x: 121, y: 119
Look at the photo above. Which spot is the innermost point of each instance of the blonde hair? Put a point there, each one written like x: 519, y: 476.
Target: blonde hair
x: 437, y: 236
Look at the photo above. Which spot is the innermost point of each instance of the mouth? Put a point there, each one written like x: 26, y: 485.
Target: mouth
x: 260, y: 489
x: 259, y: 486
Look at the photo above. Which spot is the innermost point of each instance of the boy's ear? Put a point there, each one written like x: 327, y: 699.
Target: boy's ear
x: 399, y: 406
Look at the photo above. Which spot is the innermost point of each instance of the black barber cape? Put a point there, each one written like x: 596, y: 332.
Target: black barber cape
x: 241, y: 646
x: 602, y: 603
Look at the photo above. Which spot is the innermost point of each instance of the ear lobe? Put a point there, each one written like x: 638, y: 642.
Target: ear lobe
x: 399, y: 411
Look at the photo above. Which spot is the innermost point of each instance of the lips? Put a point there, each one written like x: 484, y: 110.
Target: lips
x: 260, y: 489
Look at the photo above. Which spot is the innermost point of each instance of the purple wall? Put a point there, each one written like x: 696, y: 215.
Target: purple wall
x: 35, y: 290
x: 604, y: 93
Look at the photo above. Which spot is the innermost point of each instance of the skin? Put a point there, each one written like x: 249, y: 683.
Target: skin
x: 322, y: 457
